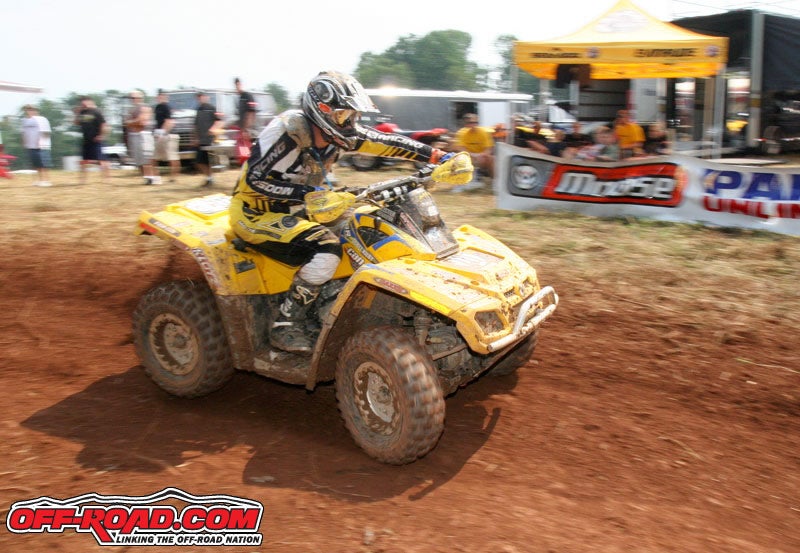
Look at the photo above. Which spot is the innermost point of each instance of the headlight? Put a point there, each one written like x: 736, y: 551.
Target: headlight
x: 489, y: 321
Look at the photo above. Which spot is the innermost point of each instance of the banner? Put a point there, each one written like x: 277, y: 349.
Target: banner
x: 669, y: 188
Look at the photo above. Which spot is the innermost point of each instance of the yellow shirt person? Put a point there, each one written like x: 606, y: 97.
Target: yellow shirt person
x: 472, y: 138
x: 480, y: 145
x: 630, y: 135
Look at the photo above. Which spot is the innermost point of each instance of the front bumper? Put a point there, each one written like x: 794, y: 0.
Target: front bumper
x: 523, y: 325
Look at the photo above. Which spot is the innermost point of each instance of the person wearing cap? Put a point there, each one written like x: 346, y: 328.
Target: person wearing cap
x: 36, y: 139
x: 138, y: 124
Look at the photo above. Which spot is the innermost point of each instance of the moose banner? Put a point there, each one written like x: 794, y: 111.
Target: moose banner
x: 671, y: 188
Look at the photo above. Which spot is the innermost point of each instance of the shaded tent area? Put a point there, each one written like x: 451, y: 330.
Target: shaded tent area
x: 763, y: 70
x: 625, y: 43
x: 780, y: 62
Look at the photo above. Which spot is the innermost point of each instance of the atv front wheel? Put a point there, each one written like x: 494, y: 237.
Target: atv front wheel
x: 180, y: 339
x: 389, y: 395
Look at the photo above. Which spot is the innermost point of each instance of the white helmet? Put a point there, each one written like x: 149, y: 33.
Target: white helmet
x: 334, y: 102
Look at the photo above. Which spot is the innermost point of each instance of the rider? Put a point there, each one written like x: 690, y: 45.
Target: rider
x: 290, y: 159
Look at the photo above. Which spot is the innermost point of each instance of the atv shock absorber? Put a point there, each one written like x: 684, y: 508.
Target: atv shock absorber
x: 422, y: 325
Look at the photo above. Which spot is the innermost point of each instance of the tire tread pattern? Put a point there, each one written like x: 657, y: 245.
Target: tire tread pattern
x: 194, y: 302
x: 424, y: 406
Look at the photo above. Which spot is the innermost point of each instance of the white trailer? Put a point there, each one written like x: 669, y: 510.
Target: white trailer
x: 427, y: 109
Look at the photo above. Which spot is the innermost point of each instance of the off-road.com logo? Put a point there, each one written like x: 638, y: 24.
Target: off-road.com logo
x: 168, y: 517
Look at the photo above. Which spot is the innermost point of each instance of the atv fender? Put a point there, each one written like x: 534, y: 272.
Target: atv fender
x: 411, y: 283
x: 200, y: 227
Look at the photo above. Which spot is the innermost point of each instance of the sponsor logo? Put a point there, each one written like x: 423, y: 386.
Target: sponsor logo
x: 659, y: 184
x: 166, y: 228
x: 758, y: 194
x: 356, y: 260
x: 753, y: 186
x: 525, y: 177
x: 556, y: 55
x: 207, y: 267
x: 279, y: 190
x: 665, y: 52
x: 274, y: 154
x: 149, y: 520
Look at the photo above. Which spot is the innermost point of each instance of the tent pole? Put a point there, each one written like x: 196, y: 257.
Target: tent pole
x: 719, y: 111
x: 756, y: 78
x: 575, y: 97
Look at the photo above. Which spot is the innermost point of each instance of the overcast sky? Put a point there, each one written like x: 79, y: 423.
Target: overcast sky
x: 85, y: 46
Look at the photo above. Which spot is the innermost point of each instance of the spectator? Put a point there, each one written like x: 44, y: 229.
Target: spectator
x: 93, y: 129
x: 166, y: 143
x: 604, y: 149
x: 36, y: 139
x: 500, y: 133
x: 207, y: 123
x: 478, y: 142
x: 247, y: 110
x: 532, y: 137
x: 559, y: 146
x: 629, y: 135
x: 656, y: 142
x: 577, y: 138
x: 139, y: 122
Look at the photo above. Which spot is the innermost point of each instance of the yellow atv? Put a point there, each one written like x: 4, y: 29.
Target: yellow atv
x: 414, y: 311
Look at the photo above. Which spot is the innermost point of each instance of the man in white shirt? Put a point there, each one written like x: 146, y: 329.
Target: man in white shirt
x: 36, y: 139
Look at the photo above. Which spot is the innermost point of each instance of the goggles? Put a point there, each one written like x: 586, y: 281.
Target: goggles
x: 343, y: 117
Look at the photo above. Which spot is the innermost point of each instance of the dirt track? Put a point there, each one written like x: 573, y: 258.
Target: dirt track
x: 618, y: 436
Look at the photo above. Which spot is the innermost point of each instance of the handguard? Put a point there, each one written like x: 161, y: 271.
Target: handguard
x: 324, y: 206
x: 455, y: 170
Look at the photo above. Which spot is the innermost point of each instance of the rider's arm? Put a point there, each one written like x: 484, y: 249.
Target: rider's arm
x: 271, y: 163
x: 383, y: 144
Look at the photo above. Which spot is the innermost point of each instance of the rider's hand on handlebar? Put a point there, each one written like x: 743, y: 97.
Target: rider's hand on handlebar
x: 455, y: 170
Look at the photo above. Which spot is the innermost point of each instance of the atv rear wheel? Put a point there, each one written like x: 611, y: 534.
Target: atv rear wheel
x: 389, y: 395
x: 180, y: 339
x: 516, y: 358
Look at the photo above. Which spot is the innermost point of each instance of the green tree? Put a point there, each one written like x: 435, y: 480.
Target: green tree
x: 526, y: 83
x: 434, y: 61
x: 280, y: 95
x: 377, y: 70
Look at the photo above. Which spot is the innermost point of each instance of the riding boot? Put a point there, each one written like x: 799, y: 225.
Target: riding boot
x: 288, y: 332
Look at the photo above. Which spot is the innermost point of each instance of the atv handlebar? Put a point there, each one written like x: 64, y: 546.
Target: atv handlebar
x: 394, y: 188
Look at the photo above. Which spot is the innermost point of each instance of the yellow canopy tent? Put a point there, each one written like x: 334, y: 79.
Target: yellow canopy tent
x: 627, y: 43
